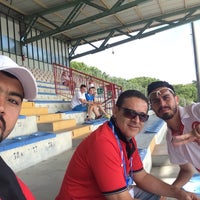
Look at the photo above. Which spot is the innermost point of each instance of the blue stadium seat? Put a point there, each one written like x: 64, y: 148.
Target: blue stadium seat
x: 25, y: 140
x: 155, y: 127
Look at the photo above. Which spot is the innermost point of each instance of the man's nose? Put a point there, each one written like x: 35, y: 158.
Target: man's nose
x: 2, y: 105
x: 137, y: 119
x: 162, y: 101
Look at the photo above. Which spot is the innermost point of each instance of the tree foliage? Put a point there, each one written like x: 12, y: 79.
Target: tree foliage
x: 187, y: 93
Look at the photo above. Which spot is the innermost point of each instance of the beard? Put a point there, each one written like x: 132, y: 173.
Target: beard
x: 3, y: 127
x: 169, y: 115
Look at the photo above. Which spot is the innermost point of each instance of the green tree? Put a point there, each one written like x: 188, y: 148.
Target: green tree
x: 187, y: 93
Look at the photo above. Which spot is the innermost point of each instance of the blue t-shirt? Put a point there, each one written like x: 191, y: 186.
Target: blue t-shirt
x: 89, y: 97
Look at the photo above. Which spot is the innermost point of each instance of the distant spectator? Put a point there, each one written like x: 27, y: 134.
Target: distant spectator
x: 67, y: 81
x: 79, y: 102
x: 91, y: 83
x: 90, y: 96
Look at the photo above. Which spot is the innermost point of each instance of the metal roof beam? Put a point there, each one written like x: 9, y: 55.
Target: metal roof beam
x: 72, y: 14
x: 138, y: 36
x: 28, y: 29
x: 161, y: 20
x: 107, y: 38
x: 86, y: 20
x: 55, y: 9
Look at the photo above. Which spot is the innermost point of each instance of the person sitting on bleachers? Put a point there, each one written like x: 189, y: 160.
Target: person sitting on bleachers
x: 79, y: 103
x: 181, y: 122
x: 90, y: 96
x: 67, y: 81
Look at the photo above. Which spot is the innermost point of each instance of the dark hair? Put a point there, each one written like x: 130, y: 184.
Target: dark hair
x: 154, y: 85
x: 129, y: 94
x: 83, y: 86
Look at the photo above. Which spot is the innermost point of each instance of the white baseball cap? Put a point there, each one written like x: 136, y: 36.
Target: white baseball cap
x: 22, y: 74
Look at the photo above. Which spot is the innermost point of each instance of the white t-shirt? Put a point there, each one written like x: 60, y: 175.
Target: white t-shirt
x: 75, y: 100
x: 187, y: 153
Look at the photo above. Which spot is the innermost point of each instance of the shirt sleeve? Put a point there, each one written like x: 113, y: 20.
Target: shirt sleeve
x: 26, y: 191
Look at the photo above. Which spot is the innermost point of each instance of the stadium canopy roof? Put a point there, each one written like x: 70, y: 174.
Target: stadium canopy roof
x: 80, y: 22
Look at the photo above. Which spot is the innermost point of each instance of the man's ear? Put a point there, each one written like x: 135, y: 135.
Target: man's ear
x: 115, y: 110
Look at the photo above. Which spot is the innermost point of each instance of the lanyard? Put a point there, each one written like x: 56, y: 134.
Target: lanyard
x: 128, y: 179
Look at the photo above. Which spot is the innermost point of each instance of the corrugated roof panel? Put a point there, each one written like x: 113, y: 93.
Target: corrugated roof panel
x: 95, y: 16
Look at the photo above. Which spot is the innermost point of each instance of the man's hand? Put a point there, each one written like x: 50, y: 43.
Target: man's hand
x: 184, y: 139
x: 163, y: 198
x: 193, y: 136
x: 191, y: 196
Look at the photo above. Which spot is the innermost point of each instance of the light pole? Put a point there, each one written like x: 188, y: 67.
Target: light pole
x: 196, y: 59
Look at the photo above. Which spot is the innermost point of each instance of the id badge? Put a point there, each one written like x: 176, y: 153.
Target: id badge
x: 131, y: 191
x: 130, y: 186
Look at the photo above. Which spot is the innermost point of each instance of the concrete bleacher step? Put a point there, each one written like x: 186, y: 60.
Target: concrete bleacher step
x: 160, y: 155
x: 49, y: 117
x: 27, y: 150
x: 34, y: 111
x: 57, y: 125
x: 25, y: 125
x: 77, y: 131
x: 28, y: 104
x: 80, y: 130
x: 77, y: 140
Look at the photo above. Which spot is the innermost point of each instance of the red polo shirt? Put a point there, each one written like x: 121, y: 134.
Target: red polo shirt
x: 96, y: 167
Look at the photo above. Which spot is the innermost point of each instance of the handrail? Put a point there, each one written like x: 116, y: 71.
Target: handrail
x: 107, y: 92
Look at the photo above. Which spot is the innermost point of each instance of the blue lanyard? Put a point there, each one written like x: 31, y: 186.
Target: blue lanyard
x: 128, y: 179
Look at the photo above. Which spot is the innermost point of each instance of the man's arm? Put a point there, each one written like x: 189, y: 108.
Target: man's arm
x: 152, y: 184
x: 184, y: 175
x: 83, y: 101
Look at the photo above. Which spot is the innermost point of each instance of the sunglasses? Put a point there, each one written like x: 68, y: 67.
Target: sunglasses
x: 163, y: 93
x: 132, y: 114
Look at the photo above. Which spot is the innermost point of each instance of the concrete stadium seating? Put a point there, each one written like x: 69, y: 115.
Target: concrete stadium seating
x: 147, y: 140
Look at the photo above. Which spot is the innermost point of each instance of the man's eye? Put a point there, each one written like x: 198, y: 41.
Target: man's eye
x: 155, y: 101
x: 166, y: 97
x: 14, y: 101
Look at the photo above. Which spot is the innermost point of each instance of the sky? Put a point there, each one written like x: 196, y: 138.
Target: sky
x: 167, y: 56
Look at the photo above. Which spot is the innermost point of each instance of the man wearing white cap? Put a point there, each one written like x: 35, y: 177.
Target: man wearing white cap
x: 16, y: 83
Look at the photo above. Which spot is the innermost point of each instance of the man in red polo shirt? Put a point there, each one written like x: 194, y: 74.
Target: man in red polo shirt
x: 16, y: 83
x: 107, y: 165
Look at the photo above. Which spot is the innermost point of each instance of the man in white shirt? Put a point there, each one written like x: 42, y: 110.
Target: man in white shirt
x: 180, y: 121
x: 79, y: 102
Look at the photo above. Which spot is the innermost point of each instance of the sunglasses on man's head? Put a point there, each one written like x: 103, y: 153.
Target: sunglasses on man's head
x: 160, y: 93
x: 132, y: 114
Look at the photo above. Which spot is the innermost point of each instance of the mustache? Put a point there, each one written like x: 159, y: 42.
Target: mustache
x: 3, y: 127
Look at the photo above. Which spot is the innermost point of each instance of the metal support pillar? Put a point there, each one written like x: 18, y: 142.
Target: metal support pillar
x: 196, y: 59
